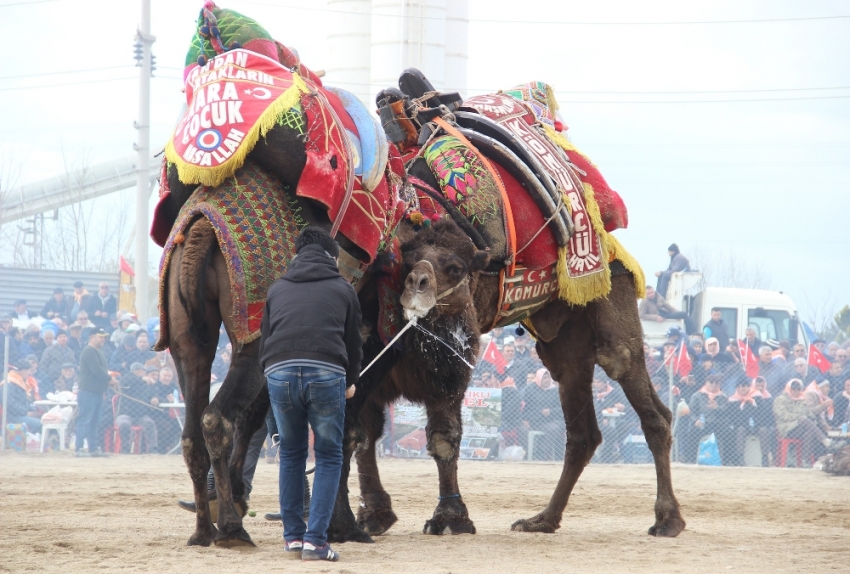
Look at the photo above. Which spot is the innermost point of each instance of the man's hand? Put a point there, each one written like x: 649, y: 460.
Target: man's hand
x: 620, y: 407
x: 658, y: 273
x: 659, y: 319
x: 113, y: 382
x: 545, y: 412
x: 349, y: 392
x: 155, y: 402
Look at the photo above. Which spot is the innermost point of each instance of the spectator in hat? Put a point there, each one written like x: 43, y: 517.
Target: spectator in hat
x: 21, y: 313
x: 678, y: 262
x: 124, y: 321
x: 137, y: 402
x: 674, y: 335
x: 75, y: 339
x: 35, y: 343
x: 745, y: 408
x: 655, y: 308
x: 67, y: 378
x: 695, y: 347
x: 58, y: 306
x: 101, y: 306
x: 782, y: 352
x: 94, y: 381
x: 19, y: 408
x: 80, y: 301
x: 543, y: 412
x: 795, y: 420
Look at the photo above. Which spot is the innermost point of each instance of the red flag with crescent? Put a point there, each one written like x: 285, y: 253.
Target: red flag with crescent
x: 494, y: 357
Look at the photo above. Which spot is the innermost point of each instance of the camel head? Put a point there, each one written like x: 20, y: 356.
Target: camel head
x: 441, y: 265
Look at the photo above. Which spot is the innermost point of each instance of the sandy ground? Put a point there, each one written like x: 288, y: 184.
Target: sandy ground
x: 63, y: 514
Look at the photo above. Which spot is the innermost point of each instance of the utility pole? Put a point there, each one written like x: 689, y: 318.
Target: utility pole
x: 144, y: 41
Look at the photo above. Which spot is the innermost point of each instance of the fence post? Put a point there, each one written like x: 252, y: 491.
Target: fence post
x: 5, y: 389
x: 672, y: 407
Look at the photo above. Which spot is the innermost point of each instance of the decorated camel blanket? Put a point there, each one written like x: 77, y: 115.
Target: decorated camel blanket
x: 239, y: 85
x: 256, y: 224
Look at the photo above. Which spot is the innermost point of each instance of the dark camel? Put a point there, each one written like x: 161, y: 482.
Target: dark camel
x: 441, y: 267
x: 570, y: 341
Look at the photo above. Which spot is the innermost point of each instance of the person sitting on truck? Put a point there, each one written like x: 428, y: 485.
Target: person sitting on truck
x: 678, y: 262
x: 655, y: 308
x: 716, y: 328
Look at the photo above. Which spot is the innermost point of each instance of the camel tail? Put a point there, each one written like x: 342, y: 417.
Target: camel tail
x: 197, y: 257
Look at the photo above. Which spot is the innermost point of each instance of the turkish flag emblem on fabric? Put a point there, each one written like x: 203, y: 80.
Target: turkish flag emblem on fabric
x: 816, y: 359
x: 751, y: 363
x: 494, y: 357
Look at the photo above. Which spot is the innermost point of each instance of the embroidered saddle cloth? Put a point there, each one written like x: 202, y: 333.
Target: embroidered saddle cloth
x: 256, y: 224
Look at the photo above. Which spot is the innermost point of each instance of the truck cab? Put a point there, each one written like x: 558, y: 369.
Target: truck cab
x: 771, y: 313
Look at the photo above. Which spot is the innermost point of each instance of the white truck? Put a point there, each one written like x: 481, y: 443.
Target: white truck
x: 771, y: 313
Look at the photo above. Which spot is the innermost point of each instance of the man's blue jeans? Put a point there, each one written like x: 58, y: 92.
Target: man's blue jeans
x: 302, y: 394
x: 88, y: 418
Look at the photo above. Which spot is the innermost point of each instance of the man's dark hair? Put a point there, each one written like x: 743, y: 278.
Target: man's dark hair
x: 713, y: 379
x: 313, y: 234
x: 713, y: 309
x: 742, y: 383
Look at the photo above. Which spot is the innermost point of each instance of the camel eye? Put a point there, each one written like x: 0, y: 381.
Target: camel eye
x: 453, y: 269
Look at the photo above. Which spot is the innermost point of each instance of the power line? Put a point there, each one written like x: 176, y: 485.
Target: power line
x: 65, y: 72
x: 66, y: 84
x: 27, y: 3
x: 553, y: 22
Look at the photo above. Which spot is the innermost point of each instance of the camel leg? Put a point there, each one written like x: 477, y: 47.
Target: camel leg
x: 444, y: 430
x: 376, y: 514
x: 570, y: 359
x: 248, y: 423
x: 620, y: 353
x: 193, y: 362
x: 241, y: 386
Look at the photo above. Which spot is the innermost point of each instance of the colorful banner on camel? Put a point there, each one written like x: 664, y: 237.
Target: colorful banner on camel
x: 584, y: 250
x: 232, y: 101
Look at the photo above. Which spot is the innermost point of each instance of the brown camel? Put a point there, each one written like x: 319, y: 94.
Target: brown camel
x: 570, y: 341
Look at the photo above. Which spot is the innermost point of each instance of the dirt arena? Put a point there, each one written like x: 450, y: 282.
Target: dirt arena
x: 63, y: 514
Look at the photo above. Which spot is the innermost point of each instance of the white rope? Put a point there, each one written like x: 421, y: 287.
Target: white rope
x: 410, y: 323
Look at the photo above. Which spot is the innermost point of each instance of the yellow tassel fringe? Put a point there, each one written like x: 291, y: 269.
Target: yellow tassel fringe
x: 212, y: 176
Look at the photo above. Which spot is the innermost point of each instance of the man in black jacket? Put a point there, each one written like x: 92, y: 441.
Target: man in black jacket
x: 310, y: 351
x: 94, y: 380
x: 716, y: 328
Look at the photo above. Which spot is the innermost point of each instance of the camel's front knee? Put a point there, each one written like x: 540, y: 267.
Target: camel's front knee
x: 444, y: 446
x: 218, y: 434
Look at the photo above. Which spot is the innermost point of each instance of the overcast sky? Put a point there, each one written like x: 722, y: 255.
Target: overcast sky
x: 721, y: 136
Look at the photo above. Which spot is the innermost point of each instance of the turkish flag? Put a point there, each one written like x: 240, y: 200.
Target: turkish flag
x: 751, y: 363
x: 494, y: 357
x: 816, y: 359
x: 683, y: 362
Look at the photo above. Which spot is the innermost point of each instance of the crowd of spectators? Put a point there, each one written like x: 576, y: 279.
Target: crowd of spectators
x: 737, y: 389
x: 48, y: 354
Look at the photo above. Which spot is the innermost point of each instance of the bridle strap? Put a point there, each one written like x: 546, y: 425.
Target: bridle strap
x: 451, y: 290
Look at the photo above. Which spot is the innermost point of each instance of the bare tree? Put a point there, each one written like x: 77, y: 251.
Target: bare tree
x: 722, y: 268
x: 83, y: 235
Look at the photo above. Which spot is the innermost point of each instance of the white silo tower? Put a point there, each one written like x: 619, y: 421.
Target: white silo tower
x: 349, y: 46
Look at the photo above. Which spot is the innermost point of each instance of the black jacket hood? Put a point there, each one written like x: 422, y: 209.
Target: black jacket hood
x: 311, y: 264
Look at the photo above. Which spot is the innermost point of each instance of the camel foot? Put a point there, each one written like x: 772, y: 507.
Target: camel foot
x: 376, y: 521
x: 449, y: 515
x: 353, y: 534
x: 233, y: 539
x: 539, y: 523
x: 202, y: 538
x: 669, y: 528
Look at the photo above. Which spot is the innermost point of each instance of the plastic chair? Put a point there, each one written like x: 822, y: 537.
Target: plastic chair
x: 782, y: 450
x: 531, y: 435
x: 135, y: 433
x: 60, y: 430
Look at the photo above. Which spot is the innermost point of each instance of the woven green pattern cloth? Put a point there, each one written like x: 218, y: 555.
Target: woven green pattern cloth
x: 232, y: 25
x: 467, y: 183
